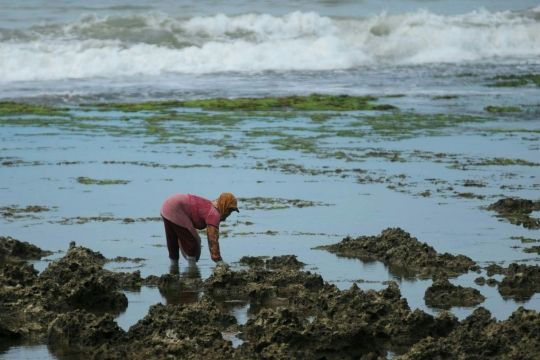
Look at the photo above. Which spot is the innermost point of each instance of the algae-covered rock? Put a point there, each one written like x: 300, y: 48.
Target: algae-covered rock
x: 286, y: 334
x: 444, y: 294
x: 481, y: 337
x: 182, y: 331
x: 396, y: 247
x: 76, y: 281
x: 23, y: 250
x: 83, y: 329
x: 18, y: 274
x: 521, y: 281
x: 282, y: 261
x: 252, y: 261
x: 181, y: 283
x: 495, y: 269
x: 517, y: 211
x: 387, y: 315
x: 9, y: 332
x: 224, y: 280
x: 480, y: 280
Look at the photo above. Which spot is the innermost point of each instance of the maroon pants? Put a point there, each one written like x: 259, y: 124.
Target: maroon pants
x: 180, y: 238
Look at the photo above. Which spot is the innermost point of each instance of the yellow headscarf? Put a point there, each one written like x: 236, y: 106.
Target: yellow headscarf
x: 226, y: 201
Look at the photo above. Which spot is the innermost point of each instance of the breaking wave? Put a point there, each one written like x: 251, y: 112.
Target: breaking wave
x: 155, y: 44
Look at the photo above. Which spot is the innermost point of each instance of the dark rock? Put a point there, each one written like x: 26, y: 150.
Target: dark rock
x: 495, y: 269
x: 285, y: 334
x: 480, y: 337
x: 387, y: 315
x: 444, y: 294
x: 520, y: 282
x: 480, y: 280
x: 18, y: 274
x: 13, y: 248
x: 9, y: 332
x: 396, y: 247
x: 517, y: 211
x: 252, y: 261
x: 282, y: 261
x: 175, y: 281
x: 83, y: 329
x: 181, y: 331
x: 76, y: 281
x: 224, y: 280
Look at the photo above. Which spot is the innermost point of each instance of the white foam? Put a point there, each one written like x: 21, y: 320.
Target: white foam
x: 114, y: 46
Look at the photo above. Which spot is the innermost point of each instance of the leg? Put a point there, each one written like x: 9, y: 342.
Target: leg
x: 187, y: 243
x: 180, y: 239
x: 172, y: 240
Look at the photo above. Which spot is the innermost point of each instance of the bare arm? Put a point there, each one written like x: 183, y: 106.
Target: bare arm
x: 213, y: 242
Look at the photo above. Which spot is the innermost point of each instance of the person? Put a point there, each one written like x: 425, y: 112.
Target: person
x: 183, y: 214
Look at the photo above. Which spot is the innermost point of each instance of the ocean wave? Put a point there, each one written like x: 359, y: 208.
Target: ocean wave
x: 154, y: 43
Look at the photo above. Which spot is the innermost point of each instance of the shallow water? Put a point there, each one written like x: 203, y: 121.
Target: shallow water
x: 216, y: 156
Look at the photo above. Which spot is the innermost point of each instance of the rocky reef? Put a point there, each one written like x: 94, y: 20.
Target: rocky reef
x: 396, y: 247
x: 314, y: 319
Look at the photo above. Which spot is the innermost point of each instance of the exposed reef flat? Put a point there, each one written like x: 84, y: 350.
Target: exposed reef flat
x: 314, y: 319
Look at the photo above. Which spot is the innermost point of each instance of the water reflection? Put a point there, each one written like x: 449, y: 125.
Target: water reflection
x: 177, y: 297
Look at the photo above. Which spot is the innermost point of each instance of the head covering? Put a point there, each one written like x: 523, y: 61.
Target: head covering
x: 227, y: 201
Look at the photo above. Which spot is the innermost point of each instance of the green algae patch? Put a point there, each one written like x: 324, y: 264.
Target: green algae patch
x: 88, y: 181
x: 13, y: 212
x: 399, y: 125
x: 524, y: 240
x: 515, y: 80
x: 502, y: 109
x: 80, y: 220
x: 491, y: 162
x: 445, y: 97
x: 262, y: 203
x: 312, y: 103
x: 13, y: 108
x: 136, y: 107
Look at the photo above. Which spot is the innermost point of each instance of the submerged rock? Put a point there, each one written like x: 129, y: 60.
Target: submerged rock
x: 396, y: 247
x: 23, y: 250
x: 76, y: 281
x: 521, y: 281
x: 481, y: 337
x: 444, y: 294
